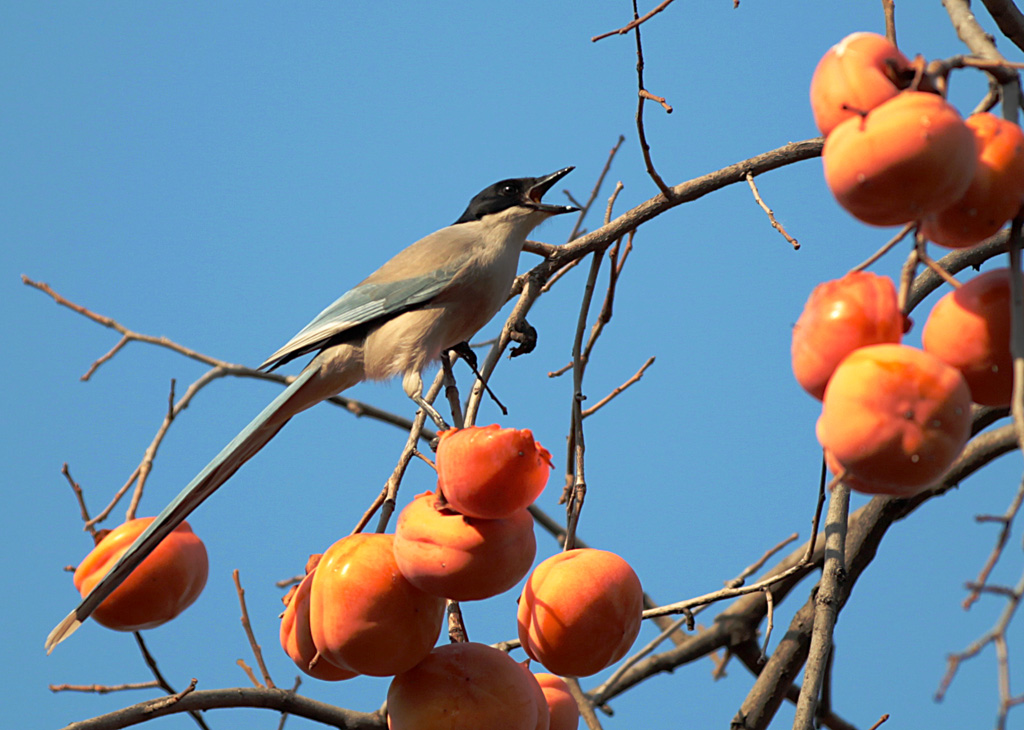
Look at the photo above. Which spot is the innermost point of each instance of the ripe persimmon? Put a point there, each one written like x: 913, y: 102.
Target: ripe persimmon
x: 491, y: 472
x: 841, y: 315
x: 969, y: 328
x: 364, y: 615
x: 854, y: 76
x: 463, y: 558
x: 909, y: 156
x: 895, y: 418
x: 580, y: 611
x: 562, y: 707
x: 297, y: 641
x: 167, y: 582
x: 996, y: 191
x: 466, y: 686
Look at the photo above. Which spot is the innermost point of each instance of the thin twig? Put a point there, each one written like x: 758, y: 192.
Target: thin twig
x: 279, y: 700
x: 759, y: 563
x: 529, y: 286
x: 164, y: 702
x: 249, y: 673
x: 103, y: 689
x: 1006, y: 521
x: 77, y: 489
x: 389, y: 494
x: 886, y: 248
x: 164, y: 684
x: 769, y: 622
x: 996, y: 636
x: 584, y: 209
x: 256, y: 650
x: 771, y: 214
x: 576, y: 446
x: 645, y: 94
x: 617, y: 391
x: 633, y: 23
x: 883, y: 718
x: 642, y: 97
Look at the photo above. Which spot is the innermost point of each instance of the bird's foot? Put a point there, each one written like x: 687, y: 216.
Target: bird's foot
x: 464, y: 351
x: 525, y: 334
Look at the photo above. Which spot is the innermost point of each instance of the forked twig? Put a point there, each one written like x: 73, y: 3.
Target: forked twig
x: 256, y: 650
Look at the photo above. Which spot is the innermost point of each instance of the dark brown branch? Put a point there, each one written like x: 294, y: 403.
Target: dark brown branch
x: 530, y: 285
x: 1009, y: 19
x: 279, y: 700
x: 163, y: 683
x: 739, y: 621
x: 643, y: 95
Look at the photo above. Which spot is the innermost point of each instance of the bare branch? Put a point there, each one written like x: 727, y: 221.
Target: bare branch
x: 608, y: 398
x: 633, y: 23
x: 770, y: 213
x: 247, y: 625
x: 279, y: 700
x: 103, y: 689
x: 827, y: 605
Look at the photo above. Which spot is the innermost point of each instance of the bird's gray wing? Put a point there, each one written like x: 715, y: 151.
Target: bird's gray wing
x: 367, y: 303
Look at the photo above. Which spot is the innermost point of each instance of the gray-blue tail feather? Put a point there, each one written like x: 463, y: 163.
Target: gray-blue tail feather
x: 243, y: 447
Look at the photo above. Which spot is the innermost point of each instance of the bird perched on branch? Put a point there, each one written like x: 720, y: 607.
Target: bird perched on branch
x: 430, y: 297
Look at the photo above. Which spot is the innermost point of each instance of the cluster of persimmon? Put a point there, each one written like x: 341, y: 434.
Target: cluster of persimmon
x: 373, y: 604
x: 897, y: 152
x: 895, y: 417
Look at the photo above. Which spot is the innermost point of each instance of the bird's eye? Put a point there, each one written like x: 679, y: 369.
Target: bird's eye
x: 508, y: 190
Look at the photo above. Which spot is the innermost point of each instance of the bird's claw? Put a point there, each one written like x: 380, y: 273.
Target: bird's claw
x: 464, y: 351
x: 526, y: 335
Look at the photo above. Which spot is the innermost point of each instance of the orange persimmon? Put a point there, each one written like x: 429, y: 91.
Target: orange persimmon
x: 841, y: 315
x: 996, y: 191
x: 580, y: 611
x: 466, y: 686
x: 854, y: 76
x: 895, y: 418
x: 969, y: 328
x: 167, y: 582
x: 491, y: 472
x: 364, y: 615
x: 297, y: 641
x: 565, y: 713
x: 463, y: 558
x: 909, y: 156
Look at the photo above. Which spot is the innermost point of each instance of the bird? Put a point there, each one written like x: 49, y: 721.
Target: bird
x: 430, y: 297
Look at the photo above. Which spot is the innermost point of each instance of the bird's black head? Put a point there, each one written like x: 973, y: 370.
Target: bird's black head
x: 524, y: 192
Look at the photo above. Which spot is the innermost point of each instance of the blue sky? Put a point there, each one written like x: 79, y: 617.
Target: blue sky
x: 219, y: 175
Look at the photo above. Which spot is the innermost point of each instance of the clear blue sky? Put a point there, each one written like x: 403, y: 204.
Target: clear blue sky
x: 218, y: 175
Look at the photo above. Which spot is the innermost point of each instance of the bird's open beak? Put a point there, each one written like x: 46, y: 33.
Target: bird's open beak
x: 540, y: 186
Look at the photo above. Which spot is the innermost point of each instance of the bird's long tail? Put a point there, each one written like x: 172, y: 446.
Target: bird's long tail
x: 253, y: 438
